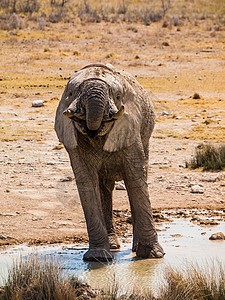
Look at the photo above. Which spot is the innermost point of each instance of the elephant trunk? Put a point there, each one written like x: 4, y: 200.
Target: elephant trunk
x: 95, y: 104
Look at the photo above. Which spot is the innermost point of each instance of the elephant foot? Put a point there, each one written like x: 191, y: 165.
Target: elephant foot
x: 98, y: 255
x: 150, y: 251
x: 113, y: 241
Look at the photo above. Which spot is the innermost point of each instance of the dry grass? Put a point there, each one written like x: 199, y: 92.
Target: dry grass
x: 208, y: 157
x: 38, y: 278
x: 177, y: 12
x: 206, y: 283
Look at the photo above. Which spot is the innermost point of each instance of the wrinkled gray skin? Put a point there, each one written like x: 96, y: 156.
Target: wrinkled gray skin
x: 105, y: 119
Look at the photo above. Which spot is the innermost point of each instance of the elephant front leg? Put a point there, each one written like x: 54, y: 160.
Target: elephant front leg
x: 88, y: 188
x: 106, y: 188
x: 146, y: 242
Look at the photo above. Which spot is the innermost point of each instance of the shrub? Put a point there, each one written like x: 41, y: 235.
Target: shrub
x: 40, y: 278
x: 10, y: 22
x: 194, y: 283
x: 208, y: 157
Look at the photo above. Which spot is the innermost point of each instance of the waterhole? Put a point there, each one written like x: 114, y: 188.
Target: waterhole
x: 184, y: 240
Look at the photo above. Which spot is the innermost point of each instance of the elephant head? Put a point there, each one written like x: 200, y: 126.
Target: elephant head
x: 96, y: 102
x: 93, y: 110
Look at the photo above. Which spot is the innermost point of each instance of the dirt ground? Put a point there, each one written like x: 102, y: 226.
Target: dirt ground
x: 38, y: 196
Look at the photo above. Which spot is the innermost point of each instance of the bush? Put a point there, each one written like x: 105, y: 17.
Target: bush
x: 10, y: 22
x: 194, y: 283
x: 38, y: 278
x: 208, y: 157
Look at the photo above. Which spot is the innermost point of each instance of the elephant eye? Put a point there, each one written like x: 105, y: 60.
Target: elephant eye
x: 70, y: 94
x: 118, y: 96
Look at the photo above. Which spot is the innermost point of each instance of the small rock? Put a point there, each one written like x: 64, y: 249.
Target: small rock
x: 38, y: 103
x: 208, y: 222
x: 197, y: 116
x: 193, y: 120
x: 178, y: 148
x: 164, y: 113
x: 2, y: 237
x: 217, y: 236
x: 196, y: 96
x: 196, y: 189
x: 129, y: 220
x: 176, y: 235
x: 120, y: 186
x: 67, y: 178
x: 178, y: 117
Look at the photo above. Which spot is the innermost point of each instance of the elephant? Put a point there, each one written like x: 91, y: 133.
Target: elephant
x: 105, y: 119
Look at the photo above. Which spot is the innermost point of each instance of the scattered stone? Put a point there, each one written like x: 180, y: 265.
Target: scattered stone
x: 178, y: 117
x: 217, y: 236
x: 178, y: 148
x: 120, y: 186
x: 129, y: 220
x: 58, y: 147
x: 194, y: 218
x: 164, y: 113
x: 203, y: 233
x: 196, y: 96
x: 2, y: 237
x: 8, y: 214
x: 197, y: 116
x: 208, y: 222
x: 197, y: 189
x: 38, y: 103
x: 176, y: 235
x: 67, y: 178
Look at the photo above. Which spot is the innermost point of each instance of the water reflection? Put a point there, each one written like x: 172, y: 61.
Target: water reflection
x: 182, y: 241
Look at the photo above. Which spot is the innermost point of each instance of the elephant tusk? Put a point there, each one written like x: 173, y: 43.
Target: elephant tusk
x: 71, y: 114
x: 68, y: 113
x: 119, y: 113
x: 116, y: 116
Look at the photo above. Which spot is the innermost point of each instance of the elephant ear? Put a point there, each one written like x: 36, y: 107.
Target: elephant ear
x: 126, y: 130
x: 64, y: 127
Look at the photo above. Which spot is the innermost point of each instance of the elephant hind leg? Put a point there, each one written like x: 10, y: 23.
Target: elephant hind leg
x: 106, y: 188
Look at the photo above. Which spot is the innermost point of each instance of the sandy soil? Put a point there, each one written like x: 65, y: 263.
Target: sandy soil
x: 38, y: 196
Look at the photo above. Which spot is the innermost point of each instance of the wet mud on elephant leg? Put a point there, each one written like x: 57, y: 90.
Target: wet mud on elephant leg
x: 145, y: 241
x: 88, y: 187
x: 106, y: 189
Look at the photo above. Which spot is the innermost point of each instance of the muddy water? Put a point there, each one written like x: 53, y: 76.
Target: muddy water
x: 183, y: 242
